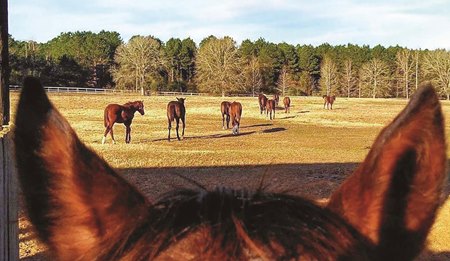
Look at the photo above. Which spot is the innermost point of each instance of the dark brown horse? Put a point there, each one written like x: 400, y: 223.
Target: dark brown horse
x: 328, y: 101
x: 225, y: 109
x: 177, y: 111
x: 236, y: 113
x: 287, y: 104
x: 121, y: 114
x: 276, y: 98
x: 270, y: 107
x: 262, y: 100
x: 81, y: 208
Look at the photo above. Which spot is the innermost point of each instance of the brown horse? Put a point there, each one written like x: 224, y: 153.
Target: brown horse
x: 276, y: 98
x: 287, y: 104
x: 82, y: 208
x: 236, y: 113
x: 262, y: 100
x: 225, y: 109
x: 121, y: 114
x: 270, y: 107
x: 177, y: 111
x: 328, y: 101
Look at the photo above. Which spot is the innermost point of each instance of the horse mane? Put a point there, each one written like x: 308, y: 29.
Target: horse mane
x: 131, y: 103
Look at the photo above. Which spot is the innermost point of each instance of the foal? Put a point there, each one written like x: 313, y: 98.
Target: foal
x: 82, y: 209
x: 287, y: 104
x: 225, y: 109
x: 235, y: 113
x: 270, y: 107
x: 121, y: 114
x: 328, y: 101
x: 262, y: 100
x: 177, y: 111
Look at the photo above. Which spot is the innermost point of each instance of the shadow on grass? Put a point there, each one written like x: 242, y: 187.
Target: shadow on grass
x: 287, y: 117
x: 212, y: 136
x: 302, y: 112
x: 256, y: 125
x: 274, y: 130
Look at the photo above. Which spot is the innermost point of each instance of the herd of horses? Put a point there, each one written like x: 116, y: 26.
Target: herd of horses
x: 82, y: 209
x: 176, y: 111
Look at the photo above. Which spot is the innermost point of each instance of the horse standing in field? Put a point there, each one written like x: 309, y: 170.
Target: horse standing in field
x: 270, y: 107
x: 236, y: 113
x: 82, y: 208
x: 225, y: 109
x: 177, y: 111
x: 328, y: 101
x: 262, y: 100
x: 287, y: 104
x: 121, y: 114
x: 276, y: 98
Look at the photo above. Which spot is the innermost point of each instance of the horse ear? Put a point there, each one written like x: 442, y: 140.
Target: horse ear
x: 78, y: 204
x: 393, y: 195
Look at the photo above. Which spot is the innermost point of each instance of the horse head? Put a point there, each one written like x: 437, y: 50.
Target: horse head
x: 181, y: 100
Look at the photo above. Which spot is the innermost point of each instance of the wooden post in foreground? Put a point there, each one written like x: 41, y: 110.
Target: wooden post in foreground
x: 9, y: 246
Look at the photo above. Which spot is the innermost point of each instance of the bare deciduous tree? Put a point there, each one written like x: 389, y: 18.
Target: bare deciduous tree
x: 375, y: 77
x: 405, y: 66
x: 219, y: 67
x: 253, y: 75
x: 436, y: 64
x: 349, y: 79
x: 140, y: 60
x: 328, y: 75
x: 285, y: 80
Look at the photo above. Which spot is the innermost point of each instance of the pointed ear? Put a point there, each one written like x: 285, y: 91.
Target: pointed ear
x: 393, y: 196
x: 78, y: 205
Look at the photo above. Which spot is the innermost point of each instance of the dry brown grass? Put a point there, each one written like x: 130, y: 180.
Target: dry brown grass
x: 307, y: 152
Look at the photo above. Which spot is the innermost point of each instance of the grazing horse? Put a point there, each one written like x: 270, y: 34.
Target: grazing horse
x: 276, y: 98
x: 82, y: 208
x: 235, y: 113
x: 270, y: 106
x: 328, y: 101
x: 121, y: 114
x: 177, y: 111
x: 225, y: 109
x: 262, y: 99
x: 287, y: 104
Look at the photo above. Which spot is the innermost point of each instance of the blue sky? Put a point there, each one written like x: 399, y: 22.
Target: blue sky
x: 414, y: 23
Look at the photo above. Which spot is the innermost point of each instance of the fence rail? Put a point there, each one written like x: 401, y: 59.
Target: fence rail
x: 106, y: 91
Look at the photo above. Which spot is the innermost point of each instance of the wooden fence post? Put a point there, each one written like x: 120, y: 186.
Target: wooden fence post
x: 9, y: 245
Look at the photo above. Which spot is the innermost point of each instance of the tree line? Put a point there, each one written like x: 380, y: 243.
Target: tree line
x: 221, y: 66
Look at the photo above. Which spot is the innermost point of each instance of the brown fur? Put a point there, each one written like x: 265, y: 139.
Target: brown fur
x: 235, y: 114
x: 262, y: 100
x: 270, y: 107
x: 287, y: 104
x: 82, y: 209
x: 276, y: 98
x: 328, y: 101
x: 121, y: 114
x: 177, y: 111
x: 225, y: 110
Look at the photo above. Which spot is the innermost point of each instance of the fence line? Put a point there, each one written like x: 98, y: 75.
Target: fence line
x: 108, y: 91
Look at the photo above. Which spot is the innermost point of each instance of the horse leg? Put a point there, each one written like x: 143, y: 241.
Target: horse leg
x: 169, y: 127
x: 274, y: 113
x: 106, y: 133
x: 112, y: 134
x: 184, y: 126
x: 128, y: 134
x: 223, y: 121
x: 228, y: 121
x: 178, y: 123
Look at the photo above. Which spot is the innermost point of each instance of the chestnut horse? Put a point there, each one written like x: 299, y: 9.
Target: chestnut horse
x: 121, y: 114
x: 225, y: 109
x: 276, y: 98
x: 328, y: 101
x: 177, y: 111
x: 236, y: 113
x: 270, y: 107
x: 81, y: 208
x: 287, y: 104
x: 262, y: 100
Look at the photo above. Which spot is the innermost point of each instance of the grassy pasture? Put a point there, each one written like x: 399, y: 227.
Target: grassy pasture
x: 308, y: 152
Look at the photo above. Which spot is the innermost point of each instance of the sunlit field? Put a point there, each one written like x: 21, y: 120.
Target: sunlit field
x: 308, y: 152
